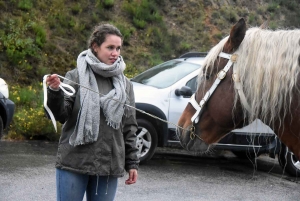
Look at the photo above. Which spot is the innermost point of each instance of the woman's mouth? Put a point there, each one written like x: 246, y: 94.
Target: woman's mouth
x: 113, y: 60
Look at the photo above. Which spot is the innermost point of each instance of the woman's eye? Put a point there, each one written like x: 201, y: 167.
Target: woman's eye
x: 111, y: 48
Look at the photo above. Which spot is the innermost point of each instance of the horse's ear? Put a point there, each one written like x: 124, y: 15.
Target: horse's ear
x: 264, y: 25
x: 237, y: 35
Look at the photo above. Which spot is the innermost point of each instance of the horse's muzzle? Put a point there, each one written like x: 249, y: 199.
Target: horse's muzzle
x: 191, y: 142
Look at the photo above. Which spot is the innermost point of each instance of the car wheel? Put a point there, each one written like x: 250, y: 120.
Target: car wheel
x: 146, y: 140
x: 288, y: 161
x: 244, y: 154
x: 1, y: 127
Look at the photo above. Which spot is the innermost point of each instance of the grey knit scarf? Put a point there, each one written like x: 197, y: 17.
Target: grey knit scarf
x: 88, y: 119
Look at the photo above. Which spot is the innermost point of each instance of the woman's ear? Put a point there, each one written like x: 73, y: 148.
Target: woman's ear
x: 94, y: 47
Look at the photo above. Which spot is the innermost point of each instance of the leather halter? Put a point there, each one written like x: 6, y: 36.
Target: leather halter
x: 221, y: 75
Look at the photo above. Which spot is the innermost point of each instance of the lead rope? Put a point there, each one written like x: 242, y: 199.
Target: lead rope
x: 107, y: 185
x: 63, y: 86
x: 97, y: 184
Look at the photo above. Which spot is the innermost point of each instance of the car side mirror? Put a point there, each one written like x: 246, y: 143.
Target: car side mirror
x: 185, y: 91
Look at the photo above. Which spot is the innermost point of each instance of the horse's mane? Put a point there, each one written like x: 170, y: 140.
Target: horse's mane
x: 268, y: 65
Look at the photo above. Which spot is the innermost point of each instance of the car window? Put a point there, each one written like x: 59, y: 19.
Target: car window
x: 165, y: 74
x: 192, y: 83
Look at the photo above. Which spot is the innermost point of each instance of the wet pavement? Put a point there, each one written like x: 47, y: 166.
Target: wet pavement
x: 27, y: 173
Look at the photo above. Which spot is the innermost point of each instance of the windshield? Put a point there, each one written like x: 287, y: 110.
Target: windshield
x: 165, y: 74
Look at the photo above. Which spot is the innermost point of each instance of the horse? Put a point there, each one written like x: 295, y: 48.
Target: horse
x: 253, y: 73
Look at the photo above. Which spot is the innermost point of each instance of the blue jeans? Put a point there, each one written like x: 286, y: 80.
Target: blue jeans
x: 71, y: 186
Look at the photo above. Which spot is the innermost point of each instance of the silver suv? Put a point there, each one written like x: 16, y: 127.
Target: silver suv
x: 163, y: 91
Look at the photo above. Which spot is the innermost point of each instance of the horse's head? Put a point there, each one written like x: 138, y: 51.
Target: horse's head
x: 214, y: 99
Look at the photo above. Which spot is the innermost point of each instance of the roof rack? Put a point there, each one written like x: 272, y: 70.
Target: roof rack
x: 193, y: 54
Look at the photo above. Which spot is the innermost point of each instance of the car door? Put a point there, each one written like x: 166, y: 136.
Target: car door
x: 178, y: 103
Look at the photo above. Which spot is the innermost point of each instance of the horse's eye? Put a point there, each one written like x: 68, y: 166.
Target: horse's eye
x: 207, y: 76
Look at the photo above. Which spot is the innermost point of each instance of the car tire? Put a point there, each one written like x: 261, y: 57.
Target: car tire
x: 1, y: 127
x: 289, y: 163
x: 146, y: 140
x: 244, y: 154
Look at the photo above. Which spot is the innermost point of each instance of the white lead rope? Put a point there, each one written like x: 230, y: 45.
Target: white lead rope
x: 62, y: 86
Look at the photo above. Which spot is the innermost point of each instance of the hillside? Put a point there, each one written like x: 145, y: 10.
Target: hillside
x: 39, y: 37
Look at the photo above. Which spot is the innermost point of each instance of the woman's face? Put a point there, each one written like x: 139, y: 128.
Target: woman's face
x: 109, y: 50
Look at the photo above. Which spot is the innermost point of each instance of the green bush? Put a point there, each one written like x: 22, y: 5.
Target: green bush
x: 261, y: 10
x: 291, y: 5
x: 3, y: 5
x: 25, y: 5
x: 218, y: 36
x: 155, y: 59
x: 19, y: 43
x: 215, y: 15
x: 229, y: 13
x: 76, y: 8
x: 104, y: 4
x: 252, y: 19
x: 32, y: 124
x: 40, y: 34
x: 142, y: 11
x: 78, y: 27
x: 141, y: 24
x: 130, y: 70
x: 273, y: 7
x: 273, y: 25
x: 155, y: 37
x: 126, y: 29
x: 184, y: 46
x: 108, y: 3
x: 29, y: 120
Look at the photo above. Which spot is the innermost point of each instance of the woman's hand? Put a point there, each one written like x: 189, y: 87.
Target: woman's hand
x: 133, y: 175
x: 53, y: 81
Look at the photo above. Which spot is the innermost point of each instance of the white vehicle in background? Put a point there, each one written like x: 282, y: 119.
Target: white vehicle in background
x: 7, y: 107
x: 164, y: 91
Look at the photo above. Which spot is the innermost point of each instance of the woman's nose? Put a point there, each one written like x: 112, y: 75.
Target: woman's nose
x: 115, y: 52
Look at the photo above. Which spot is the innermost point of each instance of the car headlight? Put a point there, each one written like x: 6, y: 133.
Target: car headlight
x: 4, y: 88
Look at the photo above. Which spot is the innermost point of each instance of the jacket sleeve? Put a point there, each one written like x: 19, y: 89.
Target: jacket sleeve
x: 129, y: 133
x: 61, y: 105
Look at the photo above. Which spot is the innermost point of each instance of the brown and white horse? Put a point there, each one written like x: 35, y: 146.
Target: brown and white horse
x: 251, y: 74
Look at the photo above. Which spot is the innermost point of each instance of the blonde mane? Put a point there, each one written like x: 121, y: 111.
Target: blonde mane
x: 268, y: 67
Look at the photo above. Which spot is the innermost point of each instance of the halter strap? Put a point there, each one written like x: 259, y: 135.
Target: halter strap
x: 221, y: 75
x: 225, y: 55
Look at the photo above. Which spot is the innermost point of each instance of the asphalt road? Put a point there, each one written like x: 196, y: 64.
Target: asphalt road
x: 27, y: 173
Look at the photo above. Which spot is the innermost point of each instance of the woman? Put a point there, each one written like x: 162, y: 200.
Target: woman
x: 98, y: 138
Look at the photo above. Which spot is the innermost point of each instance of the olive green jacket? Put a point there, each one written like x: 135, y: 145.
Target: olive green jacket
x: 115, y: 150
